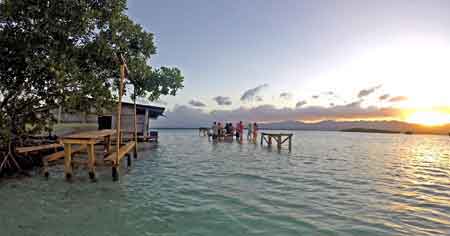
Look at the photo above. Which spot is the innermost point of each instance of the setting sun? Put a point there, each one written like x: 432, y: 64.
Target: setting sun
x: 430, y: 118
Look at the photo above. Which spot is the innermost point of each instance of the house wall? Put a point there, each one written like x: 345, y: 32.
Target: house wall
x: 127, y: 122
x: 77, y: 118
x: 127, y: 118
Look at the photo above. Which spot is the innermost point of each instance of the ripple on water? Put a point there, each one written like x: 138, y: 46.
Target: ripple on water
x: 331, y: 184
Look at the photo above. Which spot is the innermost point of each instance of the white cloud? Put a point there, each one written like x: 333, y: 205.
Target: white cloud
x: 367, y: 92
x: 223, y: 101
x: 286, y: 95
x: 300, y: 103
x: 252, y: 94
x: 195, y: 103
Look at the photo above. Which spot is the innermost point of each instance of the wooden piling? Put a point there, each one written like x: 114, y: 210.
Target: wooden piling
x: 135, y: 127
x: 115, y: 169
x: 68, y: 161
x: 91, y: 161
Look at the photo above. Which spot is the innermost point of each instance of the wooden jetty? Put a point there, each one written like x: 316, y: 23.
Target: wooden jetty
x: 87, y: 140
x: 129, y: 136
x: 279, y: 138
x: 203, y: 131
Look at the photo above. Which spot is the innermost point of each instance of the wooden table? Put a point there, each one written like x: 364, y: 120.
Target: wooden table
x: 88, y: 138
x: 278, y: 137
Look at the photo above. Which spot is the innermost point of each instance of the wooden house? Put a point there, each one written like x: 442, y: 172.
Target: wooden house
x: 144, y: 114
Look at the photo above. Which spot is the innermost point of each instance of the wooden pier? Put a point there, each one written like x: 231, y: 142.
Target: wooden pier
x: 279, y: 138
x: 87, y: 140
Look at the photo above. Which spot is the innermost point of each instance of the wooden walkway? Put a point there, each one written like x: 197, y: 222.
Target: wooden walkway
x: 279, y: 138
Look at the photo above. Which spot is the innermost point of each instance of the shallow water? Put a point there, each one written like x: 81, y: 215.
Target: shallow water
x: 331, y: 184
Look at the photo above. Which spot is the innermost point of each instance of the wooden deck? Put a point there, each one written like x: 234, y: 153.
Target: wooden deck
x: 279, y: 138
x: 129, y: 136
x: 123, y: 150
x: 87, y: 139
x: 203, y: 131
x: 90, y: 135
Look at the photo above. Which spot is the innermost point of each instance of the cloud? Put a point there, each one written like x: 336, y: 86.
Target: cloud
x: 251, y: 94
x: 354, y: 104
x: 300, y: 103
x: 188, y: 117
x: 197, y: 103
x: 286, y: 95
x: 398, y: 99
x: 367, y: 92
x: 384, y: 97
x: 222, y: 101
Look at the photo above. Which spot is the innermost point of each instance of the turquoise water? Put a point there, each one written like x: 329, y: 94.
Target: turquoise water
x: 331, y: 184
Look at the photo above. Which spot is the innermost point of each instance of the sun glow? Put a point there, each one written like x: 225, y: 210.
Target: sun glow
x: 430, y: 118
x: 416, y: 67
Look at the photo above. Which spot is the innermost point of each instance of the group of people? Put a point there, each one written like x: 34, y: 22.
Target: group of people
x: 229, y: 130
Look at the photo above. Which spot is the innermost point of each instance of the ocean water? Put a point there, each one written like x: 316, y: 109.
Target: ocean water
x: 332, y: 183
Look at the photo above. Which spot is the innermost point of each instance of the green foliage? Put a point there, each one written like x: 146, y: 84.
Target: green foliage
x: 63, y: 52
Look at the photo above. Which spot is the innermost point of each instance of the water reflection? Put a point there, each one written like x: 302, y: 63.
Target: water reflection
x: 330, y: 184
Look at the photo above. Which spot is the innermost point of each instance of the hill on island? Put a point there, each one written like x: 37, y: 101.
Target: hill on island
x: 359, y: 126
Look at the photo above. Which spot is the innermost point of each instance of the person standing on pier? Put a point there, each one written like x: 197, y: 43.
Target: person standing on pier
x: 249, y: 131
x: 221, y: 130
x: 239, y: 131
x: 255, y: 132
x: 215, y: 131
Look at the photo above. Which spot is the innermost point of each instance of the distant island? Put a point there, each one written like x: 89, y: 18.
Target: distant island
x: 364, y: 130
x: 377, y: 126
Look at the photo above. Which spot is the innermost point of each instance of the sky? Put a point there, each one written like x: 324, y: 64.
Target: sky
x: 311, y: 60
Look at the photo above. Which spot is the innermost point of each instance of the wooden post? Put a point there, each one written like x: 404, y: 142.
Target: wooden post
x: 148, y: 130
x: 270, y: 141
x: 290, y: 143
x: 145, y: 129
x: 129, y: 160
x: 91, y: 161
x: 108, y: 144
x: 279, y: 142
x: 115, y: 171
x: 68, y: 160
x: 262, y: 138
x: 135, y: 127
x: 45, y: 163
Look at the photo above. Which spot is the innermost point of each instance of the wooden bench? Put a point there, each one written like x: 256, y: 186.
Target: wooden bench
x: 26, y: 150
x: 59, y: 155
x: 122, y: 152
